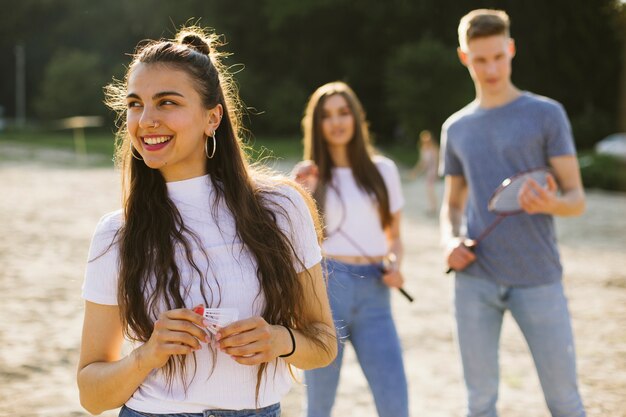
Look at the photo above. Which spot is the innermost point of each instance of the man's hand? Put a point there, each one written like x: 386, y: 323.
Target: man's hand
x: 459, y: 254
x: 535, y: 199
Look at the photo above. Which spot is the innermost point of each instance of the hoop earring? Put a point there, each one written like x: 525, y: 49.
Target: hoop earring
x: 133, y: 153
x: 206, y: 148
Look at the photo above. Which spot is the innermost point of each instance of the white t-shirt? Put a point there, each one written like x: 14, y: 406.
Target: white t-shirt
x: 230, y: 385
x: 355, y: 212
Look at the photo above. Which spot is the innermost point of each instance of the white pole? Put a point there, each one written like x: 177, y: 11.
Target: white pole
x: 20, y: 85
x: 621, y: 116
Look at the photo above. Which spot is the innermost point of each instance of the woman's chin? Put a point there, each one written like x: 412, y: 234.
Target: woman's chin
x: 154, y: 163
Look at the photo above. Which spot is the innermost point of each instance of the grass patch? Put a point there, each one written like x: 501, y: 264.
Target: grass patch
x: 291, y: 148
x: 598, y: 171
x: 403, y: 156
x: 275, y: 147
x: 102, y: 143
x: 605, y: 172
x: 97, y: 142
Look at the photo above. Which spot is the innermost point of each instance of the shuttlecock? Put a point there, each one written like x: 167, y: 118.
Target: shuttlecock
x: 217, y: 317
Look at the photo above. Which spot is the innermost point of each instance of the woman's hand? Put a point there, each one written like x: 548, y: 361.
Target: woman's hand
x: 176, y: 332
x: 393, y: 278
x: 253, y: 341
x: 306, y: 174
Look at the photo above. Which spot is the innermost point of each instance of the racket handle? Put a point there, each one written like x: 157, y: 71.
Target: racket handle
x: 383, y: 270
x: 406, y: 294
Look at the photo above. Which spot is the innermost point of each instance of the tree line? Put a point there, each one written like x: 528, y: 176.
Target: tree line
x: 399, y: 55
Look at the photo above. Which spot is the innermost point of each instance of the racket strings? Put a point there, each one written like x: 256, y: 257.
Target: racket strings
x: 505, y: 199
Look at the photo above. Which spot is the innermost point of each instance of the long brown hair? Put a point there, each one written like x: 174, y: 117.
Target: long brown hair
x: 360, y: 150
x: 149, y: 278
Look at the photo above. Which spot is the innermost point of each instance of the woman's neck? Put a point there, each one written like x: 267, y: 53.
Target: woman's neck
x: 174, y: 175
x: 339, y: 155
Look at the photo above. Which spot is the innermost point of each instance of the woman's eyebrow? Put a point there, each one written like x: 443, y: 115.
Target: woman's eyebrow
x: 157, y: 95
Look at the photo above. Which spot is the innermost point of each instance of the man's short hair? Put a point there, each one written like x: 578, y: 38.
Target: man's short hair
x: 481, y: 23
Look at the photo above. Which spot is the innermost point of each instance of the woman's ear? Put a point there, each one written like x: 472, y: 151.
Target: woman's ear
x: 214, y: 119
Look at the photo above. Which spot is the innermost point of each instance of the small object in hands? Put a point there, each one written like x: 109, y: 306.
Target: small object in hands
x: 389, y: 263
x: 505, y: 202
x: 217, y: 317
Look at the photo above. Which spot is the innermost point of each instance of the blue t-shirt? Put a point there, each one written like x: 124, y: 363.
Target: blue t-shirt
x: 486, y: 146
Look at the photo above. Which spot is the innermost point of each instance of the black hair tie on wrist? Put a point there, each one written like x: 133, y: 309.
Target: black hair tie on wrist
x: 293, y: 343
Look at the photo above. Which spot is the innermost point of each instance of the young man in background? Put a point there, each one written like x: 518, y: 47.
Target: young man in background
x: 505, y: 131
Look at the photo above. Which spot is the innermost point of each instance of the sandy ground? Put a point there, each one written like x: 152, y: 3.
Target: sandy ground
x: 50, y: 204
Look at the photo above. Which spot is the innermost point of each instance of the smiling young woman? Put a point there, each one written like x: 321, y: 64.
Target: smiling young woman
x: 199, y: 227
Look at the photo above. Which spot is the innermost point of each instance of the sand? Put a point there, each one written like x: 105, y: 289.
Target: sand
x: 50, y: 204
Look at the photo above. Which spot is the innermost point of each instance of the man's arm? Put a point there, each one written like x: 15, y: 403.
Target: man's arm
x: 457, y: 255
x: 535, y: 199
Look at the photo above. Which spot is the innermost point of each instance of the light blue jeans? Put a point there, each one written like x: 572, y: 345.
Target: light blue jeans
x: 542, y: 315
x: 269, y: 411
x: 361, y: 308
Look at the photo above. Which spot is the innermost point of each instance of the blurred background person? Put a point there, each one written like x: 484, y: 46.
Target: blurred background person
x: 427, y: 164
x: 360, y: 197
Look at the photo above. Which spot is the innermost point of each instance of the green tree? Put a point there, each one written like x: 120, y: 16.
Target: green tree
x: 424, y: 84
x: 567, y: 49
x: 283, y: 106
x: 72, y: 85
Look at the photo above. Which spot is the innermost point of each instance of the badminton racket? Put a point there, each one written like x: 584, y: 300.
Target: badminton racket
x: 504, y: 202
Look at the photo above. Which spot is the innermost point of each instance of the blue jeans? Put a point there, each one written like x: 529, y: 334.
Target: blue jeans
x: 542, y: 315
x: 270, y: 411
x: 361, y: 308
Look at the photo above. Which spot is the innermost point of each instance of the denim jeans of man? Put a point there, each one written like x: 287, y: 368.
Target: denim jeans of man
x: 361, y: 308
x: 269, y: 411
x: 542, y: 315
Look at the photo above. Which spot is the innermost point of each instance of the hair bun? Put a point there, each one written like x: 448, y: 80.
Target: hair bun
x: 197, y: 43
